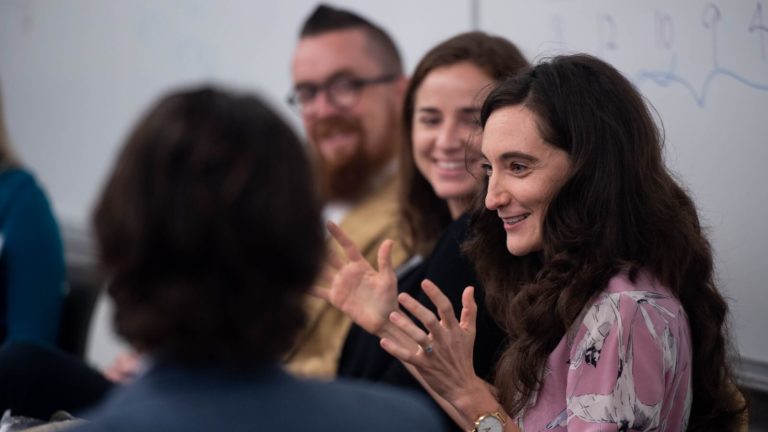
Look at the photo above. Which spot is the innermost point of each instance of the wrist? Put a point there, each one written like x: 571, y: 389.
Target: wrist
x: 494, y: 421
x: 474, y: 400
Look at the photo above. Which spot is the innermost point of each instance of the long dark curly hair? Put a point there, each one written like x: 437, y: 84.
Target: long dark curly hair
x: 424, y: 215
x: 620, y: 210
x: 209, y: 230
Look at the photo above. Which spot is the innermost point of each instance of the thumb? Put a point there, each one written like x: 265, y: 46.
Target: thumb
x: 385, y: 256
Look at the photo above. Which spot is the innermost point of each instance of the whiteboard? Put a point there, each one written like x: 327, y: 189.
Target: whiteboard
x: 76, y: 75
x: 704, y: 67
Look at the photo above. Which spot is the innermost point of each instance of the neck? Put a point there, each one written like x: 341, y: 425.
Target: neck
x: 457, y: 206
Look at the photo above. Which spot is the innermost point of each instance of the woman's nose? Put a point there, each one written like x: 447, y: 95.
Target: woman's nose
x: 449, y: 137
x: 496, y: 197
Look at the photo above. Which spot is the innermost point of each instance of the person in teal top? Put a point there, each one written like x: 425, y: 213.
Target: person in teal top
x: 32, y: 269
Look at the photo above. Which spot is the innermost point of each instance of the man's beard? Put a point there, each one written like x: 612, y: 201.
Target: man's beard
x: 349, y: 177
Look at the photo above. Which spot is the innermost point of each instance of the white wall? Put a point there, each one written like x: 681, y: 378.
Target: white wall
x: 77, y: 73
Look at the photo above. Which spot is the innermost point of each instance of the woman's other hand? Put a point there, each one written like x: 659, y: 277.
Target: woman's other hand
x: 364, y: 294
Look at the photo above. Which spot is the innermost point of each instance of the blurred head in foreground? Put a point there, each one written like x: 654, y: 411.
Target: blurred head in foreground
x: 209, y: 230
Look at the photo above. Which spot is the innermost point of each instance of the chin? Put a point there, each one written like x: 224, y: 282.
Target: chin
x: 453, y: 194
x: 520, y: 250
x: 517, y: 252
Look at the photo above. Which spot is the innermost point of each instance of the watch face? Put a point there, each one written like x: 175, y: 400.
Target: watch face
x: 490, y: 423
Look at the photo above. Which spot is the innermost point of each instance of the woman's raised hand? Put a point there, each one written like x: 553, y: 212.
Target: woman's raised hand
x: 364, y: 294
x: 443, y: 356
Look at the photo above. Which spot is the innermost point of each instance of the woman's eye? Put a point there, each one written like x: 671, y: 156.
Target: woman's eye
x: 471, y: 120
x: 486, y: 168
x: 429, y: 120
x: 517, y: 168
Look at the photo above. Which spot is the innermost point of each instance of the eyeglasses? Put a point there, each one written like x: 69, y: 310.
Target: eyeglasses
x: 342, y: 91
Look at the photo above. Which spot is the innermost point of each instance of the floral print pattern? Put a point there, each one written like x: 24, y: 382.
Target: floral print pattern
x: 625, y: 365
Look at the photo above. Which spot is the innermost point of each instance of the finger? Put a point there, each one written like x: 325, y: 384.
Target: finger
x: 468, y: 310
x: 385, y: 256
x: 322, y: 293
x: 409, y: 328
x: 333, y: 260
x: 441, y: 302
x: 398, y: 351
x: 345, y: 242
x: 424, y: 315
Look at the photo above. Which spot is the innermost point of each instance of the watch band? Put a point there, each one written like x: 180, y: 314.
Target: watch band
x: 498, y: 414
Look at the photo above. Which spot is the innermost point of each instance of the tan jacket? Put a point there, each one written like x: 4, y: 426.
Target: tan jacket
x: 372, y: 221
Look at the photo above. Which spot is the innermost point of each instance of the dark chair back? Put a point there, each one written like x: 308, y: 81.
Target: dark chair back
x: 77, y: 310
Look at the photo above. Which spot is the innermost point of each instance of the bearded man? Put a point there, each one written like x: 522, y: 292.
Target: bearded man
x: 348, y: 87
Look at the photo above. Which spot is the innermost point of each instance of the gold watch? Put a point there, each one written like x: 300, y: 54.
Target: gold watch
x: 491, y: 422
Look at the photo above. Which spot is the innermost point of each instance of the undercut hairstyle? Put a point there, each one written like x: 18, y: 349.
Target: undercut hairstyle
x: 325, y: 19
x: 621, y: 210
x: 424, y: 215
x: 209, y: 230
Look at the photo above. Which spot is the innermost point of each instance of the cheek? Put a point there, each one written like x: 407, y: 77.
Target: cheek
x: 473, y: 141
x: 473, y: 159
x: 421, y: 143
x: 422, y: 165
x: 542, y: 207
x: 376, y: 114
x: 420, y: 140
x: 307, y: 121
x: 378, y: 130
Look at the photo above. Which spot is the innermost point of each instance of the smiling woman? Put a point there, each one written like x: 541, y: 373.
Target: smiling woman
x: 593, y: 259
x: 524, y: 172
x: 445, y: 131
x: 441, y: 112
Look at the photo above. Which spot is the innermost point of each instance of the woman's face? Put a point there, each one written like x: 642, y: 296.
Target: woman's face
x: 445, y: 131
x: 524, y: 174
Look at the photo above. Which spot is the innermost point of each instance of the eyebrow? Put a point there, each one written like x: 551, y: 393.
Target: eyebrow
x: 515, y: 155
x: 346, y: 72
x: 465, y: 110
x: 428, y: 110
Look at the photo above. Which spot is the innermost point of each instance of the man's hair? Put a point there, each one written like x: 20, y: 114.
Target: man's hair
x: 326, y: 19
x: 209, y: 230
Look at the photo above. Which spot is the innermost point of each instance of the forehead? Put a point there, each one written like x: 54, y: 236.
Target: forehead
x: 319, y: 57
x: 459, y: 84
x: 513, y: 129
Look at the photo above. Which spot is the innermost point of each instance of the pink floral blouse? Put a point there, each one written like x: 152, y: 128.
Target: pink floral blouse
x: 625, y: 365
